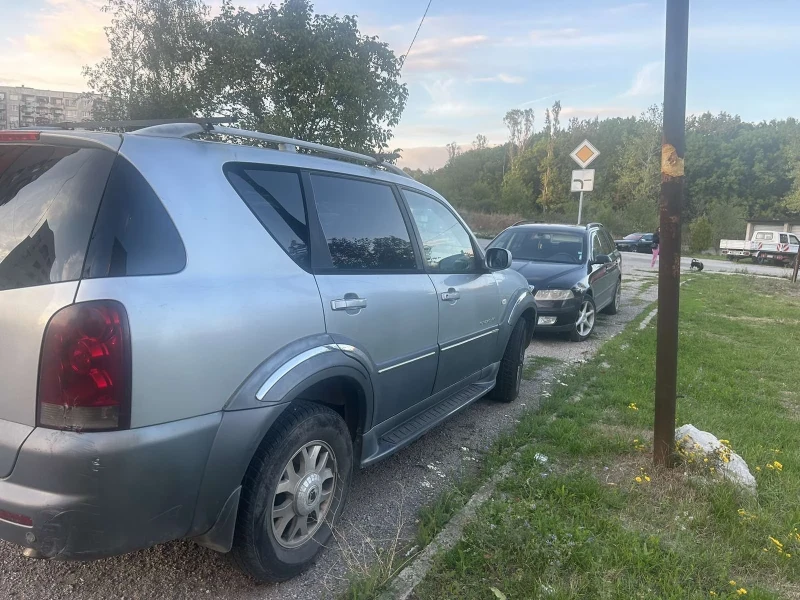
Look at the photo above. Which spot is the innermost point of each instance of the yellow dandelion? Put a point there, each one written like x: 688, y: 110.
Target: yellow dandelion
x: 712, y: 593
x: 777, y: 465
x: 741, y: 591
x: 638, y: 480
x: 647, y: 478
x: 635, y: 441
x: 705, y: 460
x: 732, y: 582
x: 633, y: 406
x: 758, y: 468
x: 776, y: 542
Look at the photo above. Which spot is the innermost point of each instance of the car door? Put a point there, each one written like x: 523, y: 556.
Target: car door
x: 614, y: 267
x: 599, y: 278
x: 468, y: 297
x: 375, y: 293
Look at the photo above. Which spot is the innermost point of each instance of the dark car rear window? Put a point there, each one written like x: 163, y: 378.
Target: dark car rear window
x: 49, y: 197
x: 543, y: 245
x: 134, y: 234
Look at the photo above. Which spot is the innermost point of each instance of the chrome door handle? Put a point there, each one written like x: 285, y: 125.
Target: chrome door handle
x: 450, y: 295
x: 348, y: 303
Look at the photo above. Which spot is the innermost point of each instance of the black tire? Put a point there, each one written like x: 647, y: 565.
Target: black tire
x: 255, y: 548
x: 575, y: 335
x: 509, y: 377
x: 613, y: 308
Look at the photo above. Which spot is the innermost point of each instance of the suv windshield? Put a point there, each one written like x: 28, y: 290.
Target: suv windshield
x: 543, y: 246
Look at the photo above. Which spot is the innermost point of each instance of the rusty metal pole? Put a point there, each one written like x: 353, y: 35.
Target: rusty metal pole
x: 673, y: 144
x: 796, y: 266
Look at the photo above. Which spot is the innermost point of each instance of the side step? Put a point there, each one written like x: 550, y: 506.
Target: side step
x: 413, y: 428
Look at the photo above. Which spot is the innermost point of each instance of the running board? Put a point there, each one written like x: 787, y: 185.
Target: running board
x: 407, y: 432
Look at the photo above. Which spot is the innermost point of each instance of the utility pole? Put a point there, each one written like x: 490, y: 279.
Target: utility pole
x: 796, y: 266
x: 673, y: 145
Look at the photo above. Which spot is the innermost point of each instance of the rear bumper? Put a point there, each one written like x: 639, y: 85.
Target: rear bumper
x: 90, y: 495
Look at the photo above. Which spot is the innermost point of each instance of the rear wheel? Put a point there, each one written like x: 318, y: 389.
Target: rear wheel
x: 584, y: 325
x: 509, y: 378
x: 294, y: 490
x: 613, y: 308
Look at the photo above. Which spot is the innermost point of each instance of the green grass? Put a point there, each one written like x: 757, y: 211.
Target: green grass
x: 586, y: 528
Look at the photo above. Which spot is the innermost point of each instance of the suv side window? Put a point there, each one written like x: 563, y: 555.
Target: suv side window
x: 446, y: 245
x: 276, y: 199
x: 793, y: 239
x: 784, y: 238
x: 134, y: 234
x: 362, y: 224
x: 49, y: 197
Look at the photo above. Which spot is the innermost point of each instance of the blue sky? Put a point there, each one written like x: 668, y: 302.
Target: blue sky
x: 473, y: 60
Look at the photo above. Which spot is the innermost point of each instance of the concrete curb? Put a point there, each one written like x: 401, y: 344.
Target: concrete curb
x: 402, y: 586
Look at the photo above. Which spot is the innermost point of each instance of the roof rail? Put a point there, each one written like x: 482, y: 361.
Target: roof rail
x: 189, y: 128
x: 525, y: 222
x: 590, y: 225
x: 138, y: 123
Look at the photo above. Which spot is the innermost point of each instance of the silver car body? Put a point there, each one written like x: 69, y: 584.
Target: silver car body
x: 220, y: 349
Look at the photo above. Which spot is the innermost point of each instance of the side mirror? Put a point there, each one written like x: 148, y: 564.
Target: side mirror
x: 601, y: 259
x: 498, y: 259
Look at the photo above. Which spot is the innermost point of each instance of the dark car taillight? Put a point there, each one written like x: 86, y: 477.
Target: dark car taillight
x: 85, y: 370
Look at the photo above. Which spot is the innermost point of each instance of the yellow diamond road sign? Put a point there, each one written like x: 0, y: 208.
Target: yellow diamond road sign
x: 584, y: 154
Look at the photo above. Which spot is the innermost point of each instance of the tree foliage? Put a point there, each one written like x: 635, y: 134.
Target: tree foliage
x: 281, y: 69
x: 155, y: 59
x: 734, y: 171
x: 701, y: 235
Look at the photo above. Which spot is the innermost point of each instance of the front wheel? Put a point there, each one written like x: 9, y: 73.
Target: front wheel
x: 584, y: 325
x: 294, y: 490
x: 509, y: 378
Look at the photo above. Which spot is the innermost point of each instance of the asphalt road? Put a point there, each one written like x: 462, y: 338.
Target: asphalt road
x: 384, y: 500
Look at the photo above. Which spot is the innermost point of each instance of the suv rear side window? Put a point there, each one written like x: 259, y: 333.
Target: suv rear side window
x: 49, y: 197
x: 362, y: 224
x: 276, y: 199
x: 134, y: 235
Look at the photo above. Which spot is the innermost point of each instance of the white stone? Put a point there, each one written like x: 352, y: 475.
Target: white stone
x: 706, y: 445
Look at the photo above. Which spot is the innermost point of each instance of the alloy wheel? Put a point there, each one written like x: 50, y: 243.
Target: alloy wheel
x: 304, y: 494
x: 585, y: 322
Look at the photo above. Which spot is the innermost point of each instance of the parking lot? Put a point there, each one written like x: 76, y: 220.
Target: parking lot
x: 384, y: 499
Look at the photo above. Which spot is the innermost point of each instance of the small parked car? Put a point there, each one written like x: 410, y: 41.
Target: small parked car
x: 636, y: 242
x: 202, y: 340
x: 574, y: 271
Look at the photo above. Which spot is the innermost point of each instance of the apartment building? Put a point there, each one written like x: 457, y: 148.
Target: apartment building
x: 29, y: 107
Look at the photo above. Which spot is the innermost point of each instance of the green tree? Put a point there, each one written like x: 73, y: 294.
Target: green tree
x: 286, y: 70
x: 155, y: 57
x: 701, y: 235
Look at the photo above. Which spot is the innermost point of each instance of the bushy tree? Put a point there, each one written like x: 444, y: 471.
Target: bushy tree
x: 701, y: 236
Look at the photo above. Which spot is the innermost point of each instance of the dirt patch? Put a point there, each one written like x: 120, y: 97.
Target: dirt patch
x: 749, y: 319
x: 791, y: 402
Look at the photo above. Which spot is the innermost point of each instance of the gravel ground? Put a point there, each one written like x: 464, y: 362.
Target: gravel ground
x: 383, y: 501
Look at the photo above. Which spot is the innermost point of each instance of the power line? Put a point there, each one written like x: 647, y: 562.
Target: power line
x: 421, y: 21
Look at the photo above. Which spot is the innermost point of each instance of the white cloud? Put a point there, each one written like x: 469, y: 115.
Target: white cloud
x: 500, y: 78
x: 69, y: 35
x: 649, y: 80
x: 446, y: 102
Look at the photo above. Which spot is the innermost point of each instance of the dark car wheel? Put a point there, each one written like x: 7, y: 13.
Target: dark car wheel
x: 295, y: 488
x: 613, y: 308
x: 584, y: 325
x: 510, y: 376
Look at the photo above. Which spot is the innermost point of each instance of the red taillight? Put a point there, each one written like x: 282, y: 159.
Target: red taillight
x: 19, y: 136
x: 15, y: 518
x: 85, y: 373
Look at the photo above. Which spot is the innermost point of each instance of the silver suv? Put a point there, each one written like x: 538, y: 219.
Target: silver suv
x: 202, y: 339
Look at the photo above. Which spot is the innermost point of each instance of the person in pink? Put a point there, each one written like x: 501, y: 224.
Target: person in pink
x: 656, y: 244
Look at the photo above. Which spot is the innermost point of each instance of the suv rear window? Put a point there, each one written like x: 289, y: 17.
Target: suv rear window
x: 48, y: 203
x: 134, y: 234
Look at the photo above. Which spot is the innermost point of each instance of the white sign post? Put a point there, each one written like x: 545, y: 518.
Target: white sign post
x: 583, y: 180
